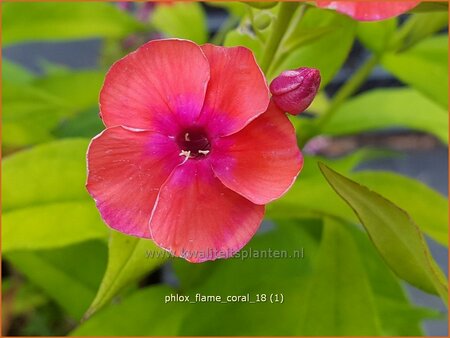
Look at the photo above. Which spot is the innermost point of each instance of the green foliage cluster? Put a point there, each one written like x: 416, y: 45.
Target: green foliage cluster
x: 71, y: 274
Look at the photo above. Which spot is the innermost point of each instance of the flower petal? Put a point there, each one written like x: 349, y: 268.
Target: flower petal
x: 126, y: 168
x: 158, y: 87
x: 198, y: 218
x: 370, y: 10
x: 261, y: 161
x: 237, y: 91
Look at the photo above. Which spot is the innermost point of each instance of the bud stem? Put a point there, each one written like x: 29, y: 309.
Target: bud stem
x: 279, y: 28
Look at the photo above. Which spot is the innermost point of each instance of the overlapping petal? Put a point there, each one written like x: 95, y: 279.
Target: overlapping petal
x: 126, y: 169
x: 160, y: 87
x: 261, y: 161
x: 237, y: 91
x: 200, y: 219
x: 370, y: 10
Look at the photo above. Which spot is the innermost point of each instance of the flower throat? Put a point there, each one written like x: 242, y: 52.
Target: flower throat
x: 193, y: 143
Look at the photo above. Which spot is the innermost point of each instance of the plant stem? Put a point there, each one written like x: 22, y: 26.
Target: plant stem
x: 349, y: 88
x: 285, y: 14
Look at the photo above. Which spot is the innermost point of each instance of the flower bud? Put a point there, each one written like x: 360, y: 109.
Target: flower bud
x: 262, y: 21
x: 294, y: 90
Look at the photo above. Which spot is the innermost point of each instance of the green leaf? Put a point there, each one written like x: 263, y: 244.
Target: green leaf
x: 426, y: 206
x: 416, y: 66
x: 389, y: 295
x: 129, y: 259
x: 29, y: 114
x: 146, y: 315
x: 291, y: 277
x: 323, y: 53
x: 252, y: 275
x: 45, y: 203
x: 338, y: 292
x: 69, y: 275
x: 51, y: 226
x: 387, y: 108
x: 419, y: 27
x: 77, y: 89
x: 14, y: 73
x: 307, y: 195
x: 376, y: 35
x: 23, y: 22
x: 49, y: 173
x: 33, y: 111
x: 393, y: 233
x: 181, y: 20
x: 305, y: 37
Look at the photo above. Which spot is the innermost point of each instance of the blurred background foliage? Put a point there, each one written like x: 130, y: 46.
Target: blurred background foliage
x: 384, y: 94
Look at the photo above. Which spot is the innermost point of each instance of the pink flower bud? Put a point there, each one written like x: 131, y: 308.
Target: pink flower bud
x: 294, y: 90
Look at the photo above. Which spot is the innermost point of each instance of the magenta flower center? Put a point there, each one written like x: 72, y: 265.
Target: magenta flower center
x: 193, y: 143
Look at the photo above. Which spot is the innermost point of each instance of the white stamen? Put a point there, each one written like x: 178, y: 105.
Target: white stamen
x: 186, y: 137
x: 204, y: 152
x: 185, y: 153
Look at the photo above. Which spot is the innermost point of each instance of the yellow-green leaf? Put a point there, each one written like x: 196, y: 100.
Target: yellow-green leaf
x: 22, y: 22
x: 393, y: 232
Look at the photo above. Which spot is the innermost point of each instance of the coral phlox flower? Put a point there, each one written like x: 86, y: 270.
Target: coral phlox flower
x: 368, y: 10
x: 192, y: 149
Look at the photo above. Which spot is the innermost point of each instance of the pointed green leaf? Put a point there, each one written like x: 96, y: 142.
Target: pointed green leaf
x: 45, y: 203
x: 308, y: 193
x: 62, y: 21
x: 129, y: 259
x: 393, y: 232
x: 51, y: 226
x: 426, y: 206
